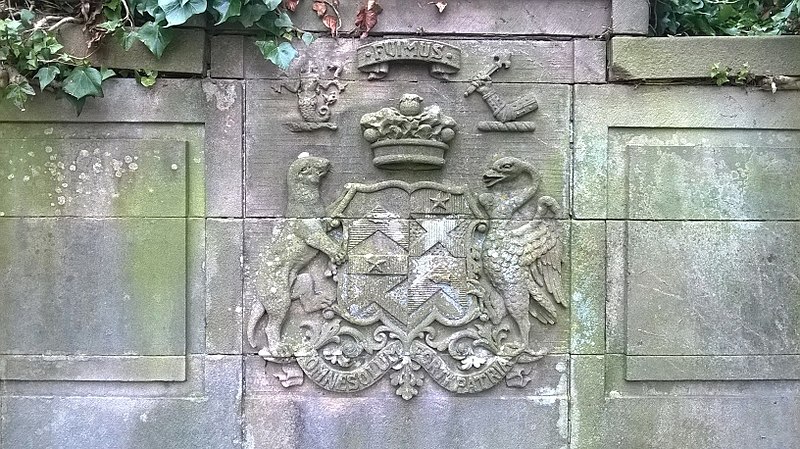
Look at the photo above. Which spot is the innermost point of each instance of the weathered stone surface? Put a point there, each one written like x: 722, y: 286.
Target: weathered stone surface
x: 587, y: 303
x: 169, y: 101
x: 305, y: 417
x: 223, y: 326
x: 208, y: 419
x: 94, y: 287
x: 93, y: 368
x: 611, y: 412
x: 600, y: 149
x: 630, y: 16
x: 589, y: 61
x: 523, y: 17
x: 715, y: 304
x: 547, y: 148
x: 718, y: 367
x: 93, y: 177
x: 223, y: 148
x: 531, y: 61
x: 185, y: 54
x: 633, y: 58
x: 226, y: 56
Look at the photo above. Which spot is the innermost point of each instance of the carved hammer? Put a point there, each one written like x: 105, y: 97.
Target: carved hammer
x: 499, y: 62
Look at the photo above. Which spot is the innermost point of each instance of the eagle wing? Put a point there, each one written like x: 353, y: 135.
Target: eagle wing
x: 541, y: 255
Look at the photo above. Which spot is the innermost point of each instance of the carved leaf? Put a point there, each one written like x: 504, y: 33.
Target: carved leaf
x: 518, y: 377
x: 367, y: 17
x: 292, y: 376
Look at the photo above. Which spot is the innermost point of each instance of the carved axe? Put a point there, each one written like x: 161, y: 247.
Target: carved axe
x: 499, y: 62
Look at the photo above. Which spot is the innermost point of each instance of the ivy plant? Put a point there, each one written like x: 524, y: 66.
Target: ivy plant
x: 725, y: 17
x: 31, y: 57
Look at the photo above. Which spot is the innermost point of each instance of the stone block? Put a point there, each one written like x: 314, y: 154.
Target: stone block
x: 652, y: 58
x: 610, y: 118
x: 169, y: 101
x: 93, y: 177
x: 524, y: 17
x: 224, y: 286
x: 588, y: 294
x: 470, y: 154
x: 531, y: 61
x: 93, y: 287
x: 185, y: 54
x: 223, y: 148
x: 226, y: 56
x: 589, y: 61
x: 630, y: 16
x: 535, y: 416
x: 210, y: 419
x: 714, y: 304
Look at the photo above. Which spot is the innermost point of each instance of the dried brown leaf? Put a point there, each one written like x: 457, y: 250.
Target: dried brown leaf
x: 367, y: 17
x: 290, y: 5
x: 320, y: 8
x: 332, y: 23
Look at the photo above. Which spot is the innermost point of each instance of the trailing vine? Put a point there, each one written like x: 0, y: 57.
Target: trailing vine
x: 32, y: 58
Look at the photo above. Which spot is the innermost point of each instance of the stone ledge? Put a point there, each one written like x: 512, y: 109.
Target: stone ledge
x: 635, y: 58
x: 185, y: 54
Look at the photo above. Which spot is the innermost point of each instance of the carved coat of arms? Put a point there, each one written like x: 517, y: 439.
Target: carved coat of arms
x: 415, y: 278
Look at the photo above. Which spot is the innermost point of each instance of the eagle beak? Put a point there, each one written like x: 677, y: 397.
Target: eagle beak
x: 492, y: 177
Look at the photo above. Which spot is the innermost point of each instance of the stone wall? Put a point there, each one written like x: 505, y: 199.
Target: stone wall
x: 137, y: 238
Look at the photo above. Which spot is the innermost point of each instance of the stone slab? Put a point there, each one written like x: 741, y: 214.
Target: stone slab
x: 210, y: 419
x: 522, y: 17
x: 672, y: 368
x: 185, y: 53
x: 706, y: 174
x: 630, y: 16
x: 715, y: 303
x: 223, y: 148
x: 634, y: 58
x: 601, y: 111
x: 589, y: 61
x: 532, y: 61
x: 93, y: 368
x: 471, y: 152
x: 303, y: 416
x: 226, y: 56
x: 93, y: 286
x: 125, y: 100
x: 587, y: 303
x: 223, y: 262
x: 93, y: 177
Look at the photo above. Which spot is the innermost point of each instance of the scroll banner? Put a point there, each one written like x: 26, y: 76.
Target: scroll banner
x: 489, y: 375
x: 374, y: 58
x: 343, y: 381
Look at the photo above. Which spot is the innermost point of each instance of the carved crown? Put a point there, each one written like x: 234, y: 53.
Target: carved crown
x: 409, y: 136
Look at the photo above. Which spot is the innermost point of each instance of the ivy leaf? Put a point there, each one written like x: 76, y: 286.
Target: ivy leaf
x: 308, y: 38
x: 280, y: 55
x: 272, y: 4
x: 178, y: 12
x: 106, y: 73
x: 146, y: 78
x: 283, y: 20
x: 84, y: 82
x: 46, y: 75
x: 252, y: 13
x: 18, y: 93
x: 226, y: 9
x: 154, y: 37
x: 127, y: 38
x: 27, y: 16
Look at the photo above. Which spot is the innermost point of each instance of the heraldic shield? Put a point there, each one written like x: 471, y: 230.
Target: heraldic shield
x: 410, y: 255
